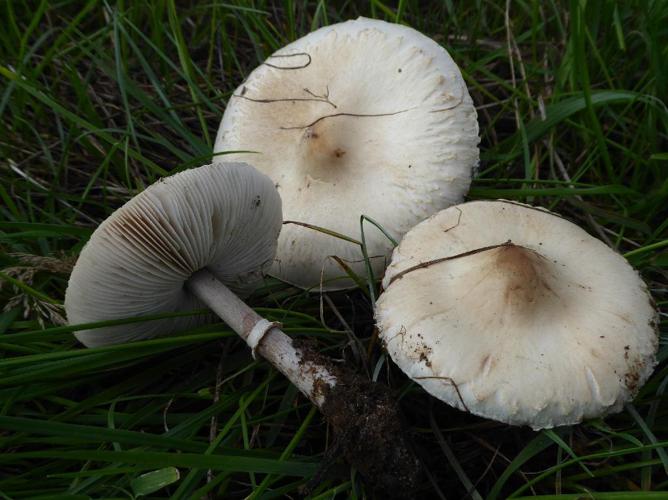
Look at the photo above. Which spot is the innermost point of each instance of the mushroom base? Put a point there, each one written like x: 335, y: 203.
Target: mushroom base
x: 365, y: 417
x: 368, y: 430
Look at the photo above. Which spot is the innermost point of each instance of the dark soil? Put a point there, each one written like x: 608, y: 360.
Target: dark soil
x: 368, y: 429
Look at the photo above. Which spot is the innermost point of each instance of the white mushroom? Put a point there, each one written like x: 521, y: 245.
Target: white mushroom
x: 178, y: 245
x: 359, y: 118
x: 185, y: 240
x: 516, y: 314
x: 222, y: 217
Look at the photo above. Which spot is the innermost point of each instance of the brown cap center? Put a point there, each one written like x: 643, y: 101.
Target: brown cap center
x: 525, y: 275
x: 325, y: 149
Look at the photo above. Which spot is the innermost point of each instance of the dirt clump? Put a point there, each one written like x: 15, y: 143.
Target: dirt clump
x: 368, y: 429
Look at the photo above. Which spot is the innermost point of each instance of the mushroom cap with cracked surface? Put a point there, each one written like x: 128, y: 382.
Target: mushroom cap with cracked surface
x: 359, y: 118
x: 516, y: 314
x: 224, y: 217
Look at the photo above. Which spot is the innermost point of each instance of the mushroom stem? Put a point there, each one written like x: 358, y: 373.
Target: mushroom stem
x: 276, y: 347
x: 364, y: 415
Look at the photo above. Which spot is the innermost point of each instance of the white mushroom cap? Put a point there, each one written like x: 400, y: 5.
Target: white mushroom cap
x: 518, y: 315
x: 225, y: 217
x: 359, y: 118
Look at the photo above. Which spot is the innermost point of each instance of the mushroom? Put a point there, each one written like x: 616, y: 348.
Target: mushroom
x: 193, y: 238
x: 222, y: 217
x: 359, y: 118
x: 515, y: 314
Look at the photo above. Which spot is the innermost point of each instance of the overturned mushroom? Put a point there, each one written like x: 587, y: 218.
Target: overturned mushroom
x: 223, y: 217
x: 515, y: 314
x: 193, y: 238
x: 359, y: 118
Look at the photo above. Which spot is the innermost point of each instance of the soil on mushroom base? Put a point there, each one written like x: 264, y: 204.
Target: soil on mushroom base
x: 368, y: 428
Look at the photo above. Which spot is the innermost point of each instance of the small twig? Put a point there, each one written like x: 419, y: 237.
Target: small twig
x: 422, y: 265
x: 452, y: 383
x: 325, y: 95
x: 459, y: 219
x: 289, y: 55
x: 402, y: 332
x: 355, y: 115
x: 285, y: 99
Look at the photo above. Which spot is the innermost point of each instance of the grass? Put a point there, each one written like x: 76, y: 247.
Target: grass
x: 98, y: 99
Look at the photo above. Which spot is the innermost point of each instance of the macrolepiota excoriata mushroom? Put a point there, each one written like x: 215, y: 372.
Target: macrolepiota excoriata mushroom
x: 193, y: 238
x: 359, y: 118
x: 515, y: 314
x: 222, y: 217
